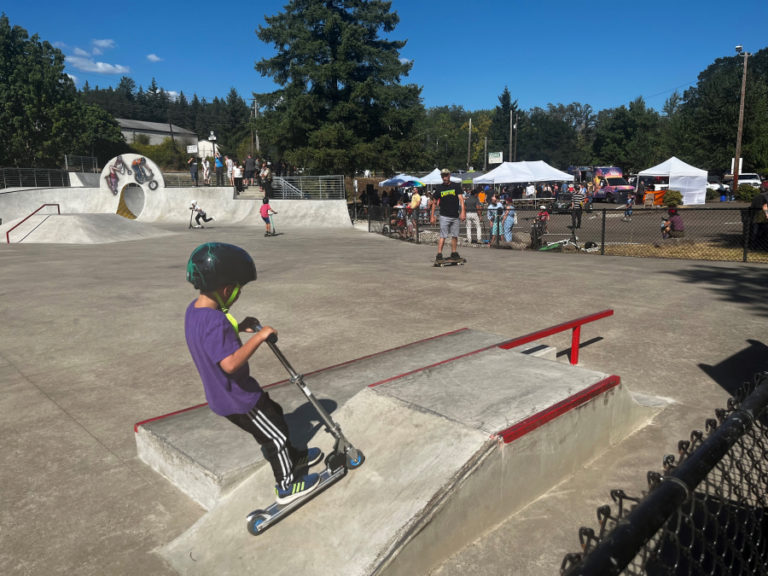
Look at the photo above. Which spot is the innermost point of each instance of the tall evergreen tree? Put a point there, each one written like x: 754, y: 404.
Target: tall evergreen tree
x: 340, y: 105
x: 504, y: 116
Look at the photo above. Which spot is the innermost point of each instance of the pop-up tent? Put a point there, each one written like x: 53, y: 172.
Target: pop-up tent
x: 690, y: 181
x: 399, y: 179
x: 521, y: 172
x: 434, y: 178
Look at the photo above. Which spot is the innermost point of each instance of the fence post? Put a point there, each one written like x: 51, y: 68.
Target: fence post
x: 602, y: 236
x: 746, y: 220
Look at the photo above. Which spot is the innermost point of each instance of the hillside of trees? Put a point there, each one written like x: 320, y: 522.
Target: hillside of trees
x: 342, y: 107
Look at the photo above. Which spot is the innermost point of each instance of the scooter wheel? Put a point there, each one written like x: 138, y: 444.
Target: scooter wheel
x: 255, y: 520
x: 353, y: 463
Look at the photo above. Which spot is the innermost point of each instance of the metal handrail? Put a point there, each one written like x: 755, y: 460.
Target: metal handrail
x: 33, y: 177
x: 8, y: 233
x: 574, y: 325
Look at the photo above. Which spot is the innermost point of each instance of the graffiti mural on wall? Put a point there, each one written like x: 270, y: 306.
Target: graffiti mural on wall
x: 144, y: 173
x: 118, y: 169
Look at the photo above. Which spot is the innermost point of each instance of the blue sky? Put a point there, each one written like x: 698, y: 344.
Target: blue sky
x: 602, y: 53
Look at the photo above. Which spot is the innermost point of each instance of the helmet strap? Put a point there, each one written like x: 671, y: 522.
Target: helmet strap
x: 225, y: 306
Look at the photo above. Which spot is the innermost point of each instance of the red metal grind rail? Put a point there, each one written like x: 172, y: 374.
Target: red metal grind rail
x: 8, y: 234
x: 574, y: 325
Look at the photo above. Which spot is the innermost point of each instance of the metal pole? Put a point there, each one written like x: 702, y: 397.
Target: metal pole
x: 515, y: 156
x: 511, y: 129
x: 735, y: 185
x: 602, y: 239
x: 469, y: 143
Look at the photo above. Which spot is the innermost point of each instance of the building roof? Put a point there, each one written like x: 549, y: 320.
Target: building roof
x: 157, y: 127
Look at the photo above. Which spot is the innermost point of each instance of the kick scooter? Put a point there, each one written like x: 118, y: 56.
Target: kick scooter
x: 343, y: 457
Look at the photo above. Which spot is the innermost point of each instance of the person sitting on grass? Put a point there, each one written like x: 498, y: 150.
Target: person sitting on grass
x: 673, y: 226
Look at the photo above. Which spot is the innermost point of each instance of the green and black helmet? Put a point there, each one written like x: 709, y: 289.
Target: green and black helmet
x: 215, y: 264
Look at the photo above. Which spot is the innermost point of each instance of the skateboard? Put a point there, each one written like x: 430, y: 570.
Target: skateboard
x: 450, y: 262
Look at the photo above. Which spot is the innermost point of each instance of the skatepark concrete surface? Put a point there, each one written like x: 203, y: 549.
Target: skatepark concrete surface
x: 92, y: 342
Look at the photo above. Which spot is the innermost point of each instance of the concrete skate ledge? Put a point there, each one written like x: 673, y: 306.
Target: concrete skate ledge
x: 437, y: 472
x: 206, y: 457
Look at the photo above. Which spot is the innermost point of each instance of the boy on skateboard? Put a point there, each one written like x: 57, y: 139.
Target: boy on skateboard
x: 449, y: 197
x: 265, y: 211
x: 220, y: 271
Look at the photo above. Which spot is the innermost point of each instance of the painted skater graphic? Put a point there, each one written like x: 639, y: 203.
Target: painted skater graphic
x: 144, y: 173
x: 117, y: 167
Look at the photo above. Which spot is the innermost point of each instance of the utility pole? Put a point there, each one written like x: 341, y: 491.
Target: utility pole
x: 254, y: 133
x: 485, y: 155
x: 737, y: 157
x: 515, y: 156
x: 469, y: 143
x: 511, y: 129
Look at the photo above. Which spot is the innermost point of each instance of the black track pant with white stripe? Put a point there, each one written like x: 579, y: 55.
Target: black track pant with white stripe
x: 266, y: 423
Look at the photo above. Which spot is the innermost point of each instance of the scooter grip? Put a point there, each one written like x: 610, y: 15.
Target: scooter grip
x: 272, y: 338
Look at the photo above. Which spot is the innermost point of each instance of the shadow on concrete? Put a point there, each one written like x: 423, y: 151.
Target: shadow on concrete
x: 740, y: 284
x: 567, y: 351
x: 733, y: 371
x: 304, y: 422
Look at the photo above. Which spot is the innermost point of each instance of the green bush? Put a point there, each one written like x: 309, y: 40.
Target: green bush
x: 673, y: 198
x: 745, y: 192
x: 168, y: 155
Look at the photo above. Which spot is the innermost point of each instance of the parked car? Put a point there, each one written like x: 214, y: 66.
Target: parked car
x: 750, y: 178
x: 715, y: 183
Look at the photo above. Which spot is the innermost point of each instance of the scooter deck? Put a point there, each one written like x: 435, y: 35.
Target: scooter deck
x: 261, y: 520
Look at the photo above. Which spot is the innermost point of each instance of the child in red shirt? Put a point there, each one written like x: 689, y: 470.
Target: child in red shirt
x: 265, y: 211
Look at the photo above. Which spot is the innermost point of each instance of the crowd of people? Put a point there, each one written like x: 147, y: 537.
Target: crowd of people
x: 489, y: 215
x: 238, y: 174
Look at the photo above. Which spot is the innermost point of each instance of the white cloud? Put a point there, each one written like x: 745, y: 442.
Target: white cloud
x: 82, y: 53
x: 104, y: 44
x: 154, y: 58
x: 73, y: 78
x: 89, y: 65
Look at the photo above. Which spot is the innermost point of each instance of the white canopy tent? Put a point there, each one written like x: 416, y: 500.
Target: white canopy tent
x: 397, y: 180
x: 690, y: 181
x: 521, y: 172
x: 434, y: 178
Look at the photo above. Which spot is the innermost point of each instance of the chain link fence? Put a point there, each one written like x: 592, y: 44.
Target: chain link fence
x: 710, y: 232
x: 707, y: 513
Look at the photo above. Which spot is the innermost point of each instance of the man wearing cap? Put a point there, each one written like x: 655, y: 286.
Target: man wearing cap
x: 448, y: 196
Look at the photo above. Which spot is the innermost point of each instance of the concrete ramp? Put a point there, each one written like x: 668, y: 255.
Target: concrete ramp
x: 170, y: 206
x: 80, y: 229
x: 451, y: 451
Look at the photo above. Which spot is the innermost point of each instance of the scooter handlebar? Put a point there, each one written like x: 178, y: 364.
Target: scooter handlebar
x: 272, y: 338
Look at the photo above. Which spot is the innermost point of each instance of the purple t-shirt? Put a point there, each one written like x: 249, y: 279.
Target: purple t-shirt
x: 211, y: 338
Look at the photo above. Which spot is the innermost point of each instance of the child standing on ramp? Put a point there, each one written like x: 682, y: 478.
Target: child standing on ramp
x: 220, y: 271
x: 265, y: 211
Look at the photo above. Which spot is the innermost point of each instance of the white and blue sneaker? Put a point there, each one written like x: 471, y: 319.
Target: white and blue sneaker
x: 310, y: 458
x: 297, y: 489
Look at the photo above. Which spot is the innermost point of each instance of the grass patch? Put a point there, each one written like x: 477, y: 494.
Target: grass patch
x: 686, y: 250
